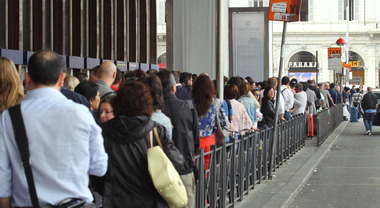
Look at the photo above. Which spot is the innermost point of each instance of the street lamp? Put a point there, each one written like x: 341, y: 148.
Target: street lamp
x: 341, y: 42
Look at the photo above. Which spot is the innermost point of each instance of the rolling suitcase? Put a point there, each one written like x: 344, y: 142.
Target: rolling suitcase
x: 354, y: 114
x: 311, y: 125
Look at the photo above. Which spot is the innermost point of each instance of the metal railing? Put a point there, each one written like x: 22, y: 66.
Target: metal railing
x: 236, y: 167
x: 326, y: 121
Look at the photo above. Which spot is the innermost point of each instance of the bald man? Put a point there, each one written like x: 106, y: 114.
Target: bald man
x: 107, y: 74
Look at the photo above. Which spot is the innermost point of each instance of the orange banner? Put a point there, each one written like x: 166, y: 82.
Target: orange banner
x: 348, y: 66
x: 284, y: 10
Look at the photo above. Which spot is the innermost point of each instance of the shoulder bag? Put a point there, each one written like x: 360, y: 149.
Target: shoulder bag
x: 220, y: 134
x: 23, y: 147
x: 164, y: 176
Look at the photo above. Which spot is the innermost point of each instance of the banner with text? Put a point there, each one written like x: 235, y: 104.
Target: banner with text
x: 284, y: 10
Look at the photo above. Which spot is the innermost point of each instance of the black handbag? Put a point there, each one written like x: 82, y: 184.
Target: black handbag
x: 23, y: 147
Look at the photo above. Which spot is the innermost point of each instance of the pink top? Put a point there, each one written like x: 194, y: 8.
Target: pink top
x: 240, y: 119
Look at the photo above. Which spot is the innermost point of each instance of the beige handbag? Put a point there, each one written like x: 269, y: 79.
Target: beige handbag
x: 164, y: 176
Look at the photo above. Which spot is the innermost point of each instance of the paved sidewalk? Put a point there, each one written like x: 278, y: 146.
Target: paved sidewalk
x: 290, y: 178
x: 349, y: 174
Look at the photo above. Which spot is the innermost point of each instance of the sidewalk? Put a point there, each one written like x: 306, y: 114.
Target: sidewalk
x: 291, y: 177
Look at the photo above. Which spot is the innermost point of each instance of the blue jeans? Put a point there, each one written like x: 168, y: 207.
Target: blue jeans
x: 368, y: 120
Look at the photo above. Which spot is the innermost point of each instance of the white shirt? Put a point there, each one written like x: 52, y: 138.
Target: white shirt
x: 65, y: 146
x: 300, y: 102
x: 288, y: 98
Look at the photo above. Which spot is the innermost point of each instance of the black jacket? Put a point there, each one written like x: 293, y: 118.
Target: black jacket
x: 268, y: 111
x: 369, y: 101
x: 127, y: 182
x: 185, y: 128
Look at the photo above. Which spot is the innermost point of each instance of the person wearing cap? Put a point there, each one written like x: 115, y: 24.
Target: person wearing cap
x: 292, y: 85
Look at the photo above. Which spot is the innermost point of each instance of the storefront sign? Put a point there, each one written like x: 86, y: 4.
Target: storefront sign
x: 355, y: 63
x: 302, y: 65
x: 284, y: 10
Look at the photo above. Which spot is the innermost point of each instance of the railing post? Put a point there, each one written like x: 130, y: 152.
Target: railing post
x: 241, y: 159
x: 200, y: 188
x: 233, y: 172
x: 223, y: 177
x: 213, y: 175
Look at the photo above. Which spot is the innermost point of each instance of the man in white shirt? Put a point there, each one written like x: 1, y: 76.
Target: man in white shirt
x: 288, y: 97
x: 300, y: 100
x: 65, y: 143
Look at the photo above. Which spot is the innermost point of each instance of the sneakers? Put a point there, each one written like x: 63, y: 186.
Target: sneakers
x: 367, y: 133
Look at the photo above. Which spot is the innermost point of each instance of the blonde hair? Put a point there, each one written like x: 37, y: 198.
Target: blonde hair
x: 11, y: 89
x: 71, y: 82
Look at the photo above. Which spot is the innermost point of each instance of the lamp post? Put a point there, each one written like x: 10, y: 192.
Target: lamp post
x: 341, y: 42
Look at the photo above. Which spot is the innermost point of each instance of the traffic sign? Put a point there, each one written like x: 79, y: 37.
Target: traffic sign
x: 284, y: 10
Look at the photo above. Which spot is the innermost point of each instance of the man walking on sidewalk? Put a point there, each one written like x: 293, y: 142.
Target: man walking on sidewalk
x: 369, y: 105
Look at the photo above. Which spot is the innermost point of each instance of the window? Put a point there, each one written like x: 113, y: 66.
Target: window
x: 250, y: 3
x: 161, y: 12
x: 348, y: 8
x: 304, y: 11
x: 258, y: 3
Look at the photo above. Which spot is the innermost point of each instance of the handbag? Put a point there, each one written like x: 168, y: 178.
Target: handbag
x: 23, y: 147
x: 220, y: 134
x: 164, y: 176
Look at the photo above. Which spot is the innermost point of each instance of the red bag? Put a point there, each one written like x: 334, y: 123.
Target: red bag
x: 311, y: 125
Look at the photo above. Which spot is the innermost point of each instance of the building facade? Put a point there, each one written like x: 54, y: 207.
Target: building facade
x: 322, y: 23
x: 307, y: 41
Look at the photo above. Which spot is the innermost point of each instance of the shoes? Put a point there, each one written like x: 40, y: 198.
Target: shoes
x: 367, y: 133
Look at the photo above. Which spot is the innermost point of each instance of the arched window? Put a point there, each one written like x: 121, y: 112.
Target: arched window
x: 356, y: 61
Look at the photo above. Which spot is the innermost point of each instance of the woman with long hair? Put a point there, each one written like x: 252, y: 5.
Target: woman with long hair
x: 206, y: 106
x: 267, y: 107
x: 11, y: 89
x: 126, y: 140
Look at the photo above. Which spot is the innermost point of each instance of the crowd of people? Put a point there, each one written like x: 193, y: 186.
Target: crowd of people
x: 99, y: 125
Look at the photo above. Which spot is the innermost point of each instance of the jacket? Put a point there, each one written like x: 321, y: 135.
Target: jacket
x: 268, y: 111
x: 127, y: 182
x: 185, y: 133
x: 369, y: 101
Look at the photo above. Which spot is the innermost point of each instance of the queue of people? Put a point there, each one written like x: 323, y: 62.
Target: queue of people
x: 100, y: 126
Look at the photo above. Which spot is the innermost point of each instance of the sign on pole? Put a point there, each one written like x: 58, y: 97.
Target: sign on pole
x: 334, y: 60
x: 284, y: 10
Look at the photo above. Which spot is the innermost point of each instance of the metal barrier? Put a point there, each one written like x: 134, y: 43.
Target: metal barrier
x: 326, y: 121
x: 236, y: 167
